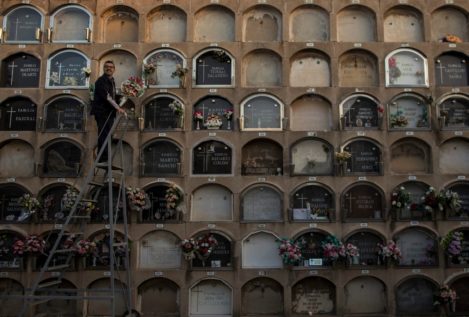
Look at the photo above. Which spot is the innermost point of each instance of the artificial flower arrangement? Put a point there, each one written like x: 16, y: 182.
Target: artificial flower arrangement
x: 452, y: 244
x: 19, y: 247
x: 204, y: 246
x: 34, y: 245
x: 228, y: 114
x: 188, y: 247
x: 449, y: 200
x: 173, y: 197
x: 198, y: 116
x: 289, y: 251
x: 85, y: 247
x: 86, y: 71
x: 380, y: 109
x: 394, y: 71
x: 137, y: 198
x: 149, y: 68
x: 351, y: 250
x: 29, y: 203
x: 333, y: 248
x: 69, y: 198
x: 213, y: 121
x: 447, y: 297
x: 176, y: 107
x: 180, y: 72
x: 451, y: 38
x: 400, y: 199
x: 431, y: 200
x: 398, y: 120
x: 389, y: 252
x: 132, y: 87
x: 342, y: 156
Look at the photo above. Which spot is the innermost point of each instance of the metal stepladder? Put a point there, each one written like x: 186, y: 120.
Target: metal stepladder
x: 100, y: 177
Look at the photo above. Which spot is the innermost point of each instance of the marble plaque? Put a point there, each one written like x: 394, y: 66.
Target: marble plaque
x: 262, y: 157
x: 314, y: 295
x: 367, y: 244
x: 166, y: 62
x: 18, y: 114
x: 406, y: 68
x: 262, y: 113
x: 212, y: 203
x: 415, y: 296
x: 260, y: 250
x: 363, y: 202
x: 22, y: 23
x: 358, y: 69
x: 451, y: 70
x: 312, y: 157
x: 66, y: 70
x: 160, y: 116
x: 360, y: 112
x: 65, y: 114
x: 210, y: 297
x: 418, y: 248
x: 21, y: 70
x: 213, y: 69
x: 160, y: 250
x: 408, y: 112
x: 366, y: 157
x: 211, y: 157
x: 262, y: 204
x: 161, y: 158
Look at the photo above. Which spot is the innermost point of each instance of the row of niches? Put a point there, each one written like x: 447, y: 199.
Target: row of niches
x: 257, y: 112
x: 260, y: 202
x: 160, y: 249
x: 161, y: 296
x: 262, y: 157
x: 216, y: 67
x: 217, y: 23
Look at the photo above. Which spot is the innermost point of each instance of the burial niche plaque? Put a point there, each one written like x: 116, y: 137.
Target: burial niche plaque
x: 312, y: 157
x: 21, y: 70
x: 165, y: 63
x: 363, y: 202
x: 212, y: 202
x: 367, y: 244
x: 366, y: 158
x: 358, y: 69
x: 18, y: 114
x: 454, y: 112
x: 214, y: 68
x: 360, y: 112
x: 210, y: 298
x: 160, y: 249
x: 62, y: 159
x: 260, y: 250
x: 312, y: 202
x: 159, y: 296
x: 71, y: 24
x: 262, y: 203
x: 408, y: 112
x: 262, y: 157
x: 212, y: 157
x: 163, y: 113
x: 262, y: 296
x: 220, y: 255
x: 313, y: 294
x: 365, y: 295
x: 65, y: 69
x: 217, y: 114
x: 262, y: 112
x: 159, y: 210
x: 406, y: 68
x: 451, y: 70
x: 415, y: 296
x: 161, y: 158
x: 10, y: 208
x: 65, y: 114
x: 22, y: 25
x: 418, y: 248
x: 8, y: 259
x: 311, y: 249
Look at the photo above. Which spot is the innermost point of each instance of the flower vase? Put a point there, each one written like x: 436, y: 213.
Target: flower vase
x: 355, y: 260
x: 453, y: 306
x: 197, y: 125
x: 182, y: 81
x: 343, y: 168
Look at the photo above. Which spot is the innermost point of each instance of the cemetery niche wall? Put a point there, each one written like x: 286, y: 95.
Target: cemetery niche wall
x: 261, y: 202
x: 211, y: 297
x: 213, y: 113
x: 365, y: 158
x: 165, y: 68
x: 214, y: 23
x: 453, y: 153
x: 313, y: 294
x: 20, y: 70
x: 163, y: 112
x: 161, y: 157
x: 312, y: 202
x: 262, y: 23
x: 358, y: 68
x: 59, y: 306
x: 217, y: 252
x: 262, y: 68
x: 356, y: 23
x: 159, y: 250
x: 212, y: 157
x: 214, y: 68
x: 408, y: 112
x: 9, y: 259
x: 403, y: 23
x: 212, y: 202
x: 11, y: 210
x: 363, y: 202
x: 262, y: 112
x: 17, y: 159
x: 166, y: 23
x: 457, y: 203
x: 418, y: 246
x: 311, y: 249
x: 309, y: 23
x: 311, y: 157
x: 361, y: 111
x: 120, y: 25
x: 159, y: 296
x: 262, y: 157
x: 54, y: 208
x: 365, y: 295
x: 71, y: 24
x: 310, y: 68
x: 160, y: 210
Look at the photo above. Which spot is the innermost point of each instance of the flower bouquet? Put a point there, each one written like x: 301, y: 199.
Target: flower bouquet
x: 389, y: 252
x: 86, y: 71
x: 352, y: 253
x: 399, y: 200
x: 446, y: 297
x: 188, y: 247
x: 173, y: 197
x: 137, y: 198
x: 34, y: 245
x: 29, y: 203
x: 85, y: 247
x: 69, y: 198
x: 343, y: 156
x: 204, y: 246
x: 449, y: 200
x: 451, y: 38
x: 213, y: 121
x: 452, y: 245
x: 289, y: 251
x: 333, y: 249
x: 394, y: 71
x: 198, y: 118
x: 19, y: 247
x: 176, y: 107
x: 132, y: 87
x: 180, y: 73
x: 398, y: 120
x: 149, y: 69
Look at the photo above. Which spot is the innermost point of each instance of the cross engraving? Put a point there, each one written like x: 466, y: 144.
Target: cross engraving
x: 202, y: 65
x: 350, y: 199
x: 441, y: 68
x: 11, y: 112
x: 12, y: 67
x: 302, y: 199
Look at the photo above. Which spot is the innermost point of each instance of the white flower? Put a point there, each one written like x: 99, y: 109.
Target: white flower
x: 399, y: 204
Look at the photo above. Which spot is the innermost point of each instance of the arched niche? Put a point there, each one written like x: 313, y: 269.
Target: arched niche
x: 406, y: 68
x: 9, y: 261
x: 454, y: 112
x: 166, y: 62
x: 126, y: 65
x: 120, y: 25
x: 9, y: 286
x: 451, y: 69
x: 462, y: 190
x: 311, y: 113
x: 415, y: 296
x: 59, y: 307
x: 159, y: 211
x: 312, y: 157
x: 161, y: 157
x: 17, y: 159
x: 20, y: 70
x: 214, y: 23
x: 127, y: 153
x: 163, y: 112
x: 159, y: 250
x: 365, y: 295
x: 415, y: 209
x: 366, y: 158
x: 260, y: 250
x: 310, y: 68
x: 262, y: 23
x: 211, y: 297
x: 62, y: 158
x: 214, y: 68
x: 66, y: 113
x: 262, y: 68
x: 367, y: 244
x: 453, y: 156
x: 212, y: 157
x: 311, y: 249
x: 312, y: 202
x: 309, y: 24
x: 262, y: 157
x: 356, y: 23
x: 410, y: 155
x: 166, y: 23
x: 101, y: 212
x: 71, y: 23
x: 461, y: 286
x: 53, y: 209
x: 159, y: 297
x: 360, y: 111
x: 403, y: 24
x: 23, y: 24
x: 419, y: 247
x: 262, y: 112
x: 262, y: 296
x: 212, y: 203
x: 358, y: 68
x: 18, y: 114
x: 65, y: 70
x: 102, y: 287
x: 313, y: 294
x: 214, y: 111
x: 409, y: 111
x: 363, y: 202
x: 449, y: 20
x: 100, y: 259
x: 261, y: 203
x: 221, y: 255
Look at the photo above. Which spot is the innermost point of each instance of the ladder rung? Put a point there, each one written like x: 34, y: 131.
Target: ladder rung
x: 81, y: 217
x: 85, y: 200
x: 58, y: 267
x: 65, y: 250
x: 105, y: 166
x: 97, y: 184
x: 73, y: 233
x: 120, y: 244
x: 50, y: 283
